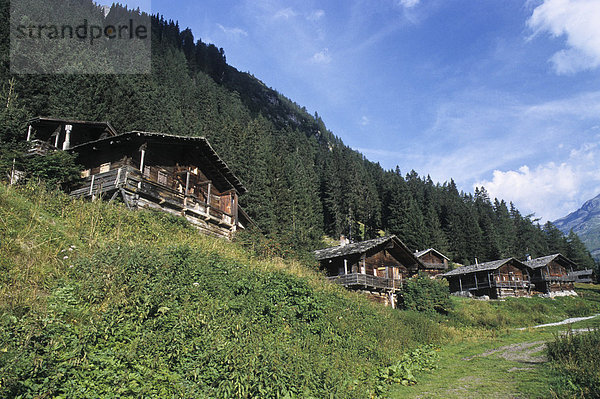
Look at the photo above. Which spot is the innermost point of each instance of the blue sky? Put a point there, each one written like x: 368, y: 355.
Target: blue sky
x: 504, y: 94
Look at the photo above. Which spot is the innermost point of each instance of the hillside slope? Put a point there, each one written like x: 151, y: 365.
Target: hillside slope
x: 585, y: 222
x: 97, y: 301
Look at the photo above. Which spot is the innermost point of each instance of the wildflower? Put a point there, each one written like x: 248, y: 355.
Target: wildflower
x: 65, y: 257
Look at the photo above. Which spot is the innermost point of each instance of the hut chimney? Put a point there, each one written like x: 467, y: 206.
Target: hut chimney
x: 528, y: 257
x: 476, y: 262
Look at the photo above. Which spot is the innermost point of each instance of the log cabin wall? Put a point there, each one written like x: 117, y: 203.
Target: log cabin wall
x: 509, y: 272
x: 433, y: 258
x: 383, y: 264
x: 554, y: 273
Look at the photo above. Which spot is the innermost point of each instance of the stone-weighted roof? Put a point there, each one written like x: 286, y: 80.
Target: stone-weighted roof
x: 544, y: 260
x: 493, y: 265
x: 401, y: 251
x: 353, y: 248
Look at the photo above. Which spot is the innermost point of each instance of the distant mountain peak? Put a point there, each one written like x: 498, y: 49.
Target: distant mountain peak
x: 585, y: 222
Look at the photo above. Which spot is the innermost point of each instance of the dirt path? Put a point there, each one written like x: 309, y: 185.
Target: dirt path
x: 483, y: 373
x: 506, y: 367
x: 525, y: 352
x: 560, y: 323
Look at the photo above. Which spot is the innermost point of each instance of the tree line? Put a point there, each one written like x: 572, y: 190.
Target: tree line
x: 303, y: 181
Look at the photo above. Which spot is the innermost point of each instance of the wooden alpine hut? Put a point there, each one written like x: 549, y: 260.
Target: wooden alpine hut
x: 552, y: 274
x: 181, y: 175
x: 496, y: 279
x: 376, y: 266
x: 435, y: 262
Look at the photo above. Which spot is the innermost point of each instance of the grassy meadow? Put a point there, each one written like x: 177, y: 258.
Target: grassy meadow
x: 99, y: 301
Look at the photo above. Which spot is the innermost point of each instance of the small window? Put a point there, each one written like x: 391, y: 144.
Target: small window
x: 162, y: 177
x: 105, y: 167
x: 146, y: 171
x: 85, y: 173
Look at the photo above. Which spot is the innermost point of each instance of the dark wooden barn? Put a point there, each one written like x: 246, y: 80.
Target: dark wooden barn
x: 435, y: 262
x: 176, y: 174
x: 551, y: 274
x: 376, y: 266
x: 497, y: 279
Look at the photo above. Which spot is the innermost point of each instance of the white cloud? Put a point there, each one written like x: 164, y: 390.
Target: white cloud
x: 578, y: 21
x: 322, y: 57
x: 409, y: 3
x: 550, y: 190
x: 316, y: 15
x: 235, y: 32
x: 285, y: 13
x: 364, y: 121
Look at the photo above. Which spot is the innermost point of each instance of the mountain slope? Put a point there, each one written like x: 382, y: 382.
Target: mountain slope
x: 96, y: 301
x: 585, y: 222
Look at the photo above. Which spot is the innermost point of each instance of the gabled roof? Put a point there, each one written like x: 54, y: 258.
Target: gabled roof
x: 418, y: 254
x: 544, y: 260
x: 493, y: 265
x: 349, y: 249
x: 219, y: 167
x: 41, y: 120
x: 366, y: 246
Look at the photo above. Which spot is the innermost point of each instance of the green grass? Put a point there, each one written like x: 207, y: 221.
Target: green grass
x: 98, y: 301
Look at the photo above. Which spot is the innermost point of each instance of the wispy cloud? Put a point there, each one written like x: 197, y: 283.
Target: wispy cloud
x: 409, y: 3
x: 233, y: 32
x: 316, y: 15
x: 285, y: 13
x: 364, y: 121
x: 578, y: 21
x: 321, y: 57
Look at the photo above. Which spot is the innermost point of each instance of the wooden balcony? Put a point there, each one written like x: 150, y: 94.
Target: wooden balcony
x: 553, y: 279
x: 130, y: 180
x: 367, y: 282
x: 517, y: 284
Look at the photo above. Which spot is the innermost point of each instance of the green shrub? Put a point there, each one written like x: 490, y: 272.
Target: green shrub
x: 423, y: 358
x: 425, y: 294
x: 575, y: 359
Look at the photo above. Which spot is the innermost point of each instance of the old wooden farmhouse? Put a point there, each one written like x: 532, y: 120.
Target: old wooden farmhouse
x: 435, y: 262
x: 549, y: 275
x: 552, y: 274
x: 375, y: 266
x: 497, y: 279
x: 177, y: 174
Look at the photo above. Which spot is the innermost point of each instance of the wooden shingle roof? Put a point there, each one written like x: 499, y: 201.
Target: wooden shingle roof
x: 418, y: 254
x: 219, y: 169
x: 544, y: 260
x: 493, y: 265
x: 349, y: 249
x: 402, y: 252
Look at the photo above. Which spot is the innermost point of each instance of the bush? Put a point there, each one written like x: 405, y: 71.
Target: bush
x: 576, y: 361
x: 425, y: 294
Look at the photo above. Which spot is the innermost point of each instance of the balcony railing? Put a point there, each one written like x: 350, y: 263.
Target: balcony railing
x: 553, y: 279
x: 358, y: 280
x: 524, y: 284
x: 131, y: 180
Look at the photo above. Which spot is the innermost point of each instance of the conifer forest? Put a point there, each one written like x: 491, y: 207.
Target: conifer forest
x: 303, y: 182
